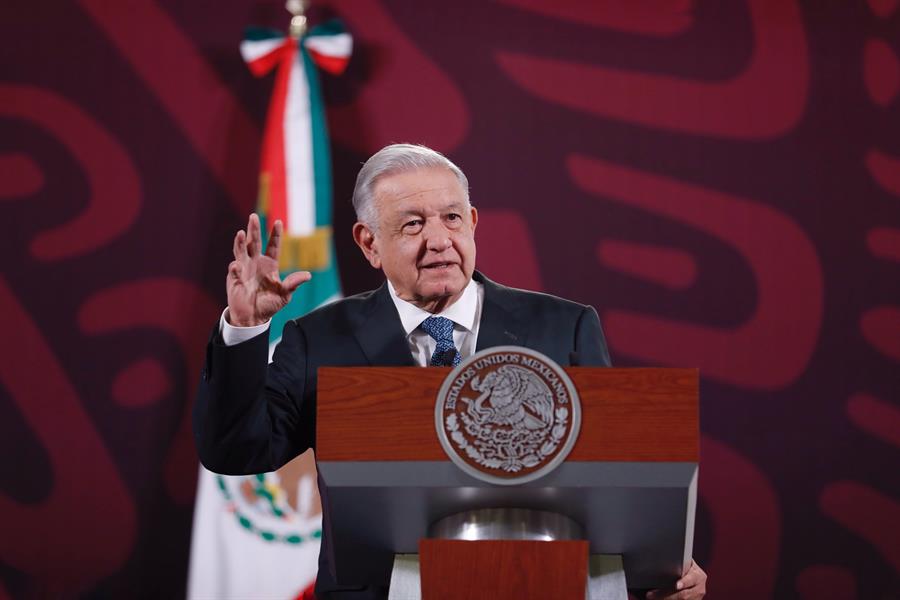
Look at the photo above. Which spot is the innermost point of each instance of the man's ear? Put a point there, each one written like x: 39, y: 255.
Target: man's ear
x: 365, y: 239
x: 474, y: 215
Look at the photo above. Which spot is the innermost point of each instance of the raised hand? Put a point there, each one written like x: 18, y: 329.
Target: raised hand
x: 255, y: 289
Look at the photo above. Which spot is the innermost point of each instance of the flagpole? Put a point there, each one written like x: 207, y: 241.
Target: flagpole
x: 297, y: 8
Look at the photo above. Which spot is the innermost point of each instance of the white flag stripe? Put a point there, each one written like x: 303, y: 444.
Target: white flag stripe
x: 340, y: 45
x: 252, y: 50
x: 230, y: 562
x: 298, y: 154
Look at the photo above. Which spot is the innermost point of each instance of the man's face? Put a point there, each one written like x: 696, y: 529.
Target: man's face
x: 425, y: 241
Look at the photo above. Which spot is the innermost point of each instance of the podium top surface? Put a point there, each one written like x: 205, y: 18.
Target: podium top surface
x: 387, y: 414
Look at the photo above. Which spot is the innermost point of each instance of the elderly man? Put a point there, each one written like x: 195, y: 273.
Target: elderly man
x: 415, y: 223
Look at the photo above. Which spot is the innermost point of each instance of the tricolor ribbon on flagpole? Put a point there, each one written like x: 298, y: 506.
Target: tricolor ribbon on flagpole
x: 295, y: 165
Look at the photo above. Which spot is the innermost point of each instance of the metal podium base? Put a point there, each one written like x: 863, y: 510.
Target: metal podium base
x: 606, y: 575
x: 506, y: 524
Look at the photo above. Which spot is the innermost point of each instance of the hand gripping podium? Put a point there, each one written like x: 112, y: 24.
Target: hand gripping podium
x: 628, y: 487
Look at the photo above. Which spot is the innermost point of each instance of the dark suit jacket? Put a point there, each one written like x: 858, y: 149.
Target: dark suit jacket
x: 253, y: 418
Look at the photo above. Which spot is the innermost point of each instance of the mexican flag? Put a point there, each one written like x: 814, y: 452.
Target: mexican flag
x: 258, y: 536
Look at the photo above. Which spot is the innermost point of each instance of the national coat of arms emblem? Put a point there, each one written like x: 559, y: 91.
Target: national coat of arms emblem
x: 507, y: 415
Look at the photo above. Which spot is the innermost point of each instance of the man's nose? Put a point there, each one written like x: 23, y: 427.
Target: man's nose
x: 437, y: 238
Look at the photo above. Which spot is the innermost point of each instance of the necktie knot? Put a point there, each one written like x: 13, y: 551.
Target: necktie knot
x: 441, y: 330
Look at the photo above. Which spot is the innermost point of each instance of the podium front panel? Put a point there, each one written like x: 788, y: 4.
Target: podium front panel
x: 630, y: 480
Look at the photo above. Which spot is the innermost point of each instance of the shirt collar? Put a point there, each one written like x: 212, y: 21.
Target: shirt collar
x: 462, y: 312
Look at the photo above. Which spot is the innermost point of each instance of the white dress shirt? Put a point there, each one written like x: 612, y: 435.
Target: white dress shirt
x: 233, y: 335
x: 465, y: 314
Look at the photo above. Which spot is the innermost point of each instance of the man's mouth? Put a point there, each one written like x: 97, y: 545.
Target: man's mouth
x: 437, y: 266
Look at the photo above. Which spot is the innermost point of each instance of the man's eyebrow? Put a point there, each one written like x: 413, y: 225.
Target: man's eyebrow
x: 417, y: 211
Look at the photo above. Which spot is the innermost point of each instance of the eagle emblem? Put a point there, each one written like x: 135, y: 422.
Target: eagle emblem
x: 507, y: 415
x: 514, y: 396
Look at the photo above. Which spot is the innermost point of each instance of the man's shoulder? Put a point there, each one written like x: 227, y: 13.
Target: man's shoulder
x: 342, y: 310
x: 513, y: 297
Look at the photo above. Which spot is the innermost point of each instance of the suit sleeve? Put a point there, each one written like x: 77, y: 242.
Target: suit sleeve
x: 250, y: 416
x: 590, y: 343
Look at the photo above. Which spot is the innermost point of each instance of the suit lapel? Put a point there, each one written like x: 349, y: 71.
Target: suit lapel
x: 380, y: 333
x: 500, y: 325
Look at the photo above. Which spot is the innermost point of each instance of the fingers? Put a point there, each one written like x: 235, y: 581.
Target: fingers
x: 274, y: 248
x: 234, y: 269
x: 293, y: 281
x: 690, y: 587
x: 254, y: 235
x: 240, y: 245
x: 694, y: 577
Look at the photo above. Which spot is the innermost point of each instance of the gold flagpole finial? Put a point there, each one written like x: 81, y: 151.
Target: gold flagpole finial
x: 298, y: 21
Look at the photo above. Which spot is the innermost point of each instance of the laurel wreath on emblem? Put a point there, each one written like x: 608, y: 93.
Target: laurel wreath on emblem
x: 512, y: 421
x: 247, y: 522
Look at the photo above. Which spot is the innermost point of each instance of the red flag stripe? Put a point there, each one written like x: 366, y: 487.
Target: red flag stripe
x: 333, y: 64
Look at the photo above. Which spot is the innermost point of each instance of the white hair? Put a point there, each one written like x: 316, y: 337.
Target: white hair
x: 396, y: 158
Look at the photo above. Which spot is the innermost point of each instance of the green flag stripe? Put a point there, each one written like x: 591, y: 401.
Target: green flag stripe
x: 258, y: 34
x: 332, y: 27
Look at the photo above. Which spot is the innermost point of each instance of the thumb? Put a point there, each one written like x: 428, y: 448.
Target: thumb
x: 293, y: 281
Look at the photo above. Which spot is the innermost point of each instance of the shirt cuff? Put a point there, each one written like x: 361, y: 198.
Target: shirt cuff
x: 233, y: 335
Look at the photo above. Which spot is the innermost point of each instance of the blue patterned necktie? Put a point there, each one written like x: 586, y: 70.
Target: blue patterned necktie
x: 441, y: 329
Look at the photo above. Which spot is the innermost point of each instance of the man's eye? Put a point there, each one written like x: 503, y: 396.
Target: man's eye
x: 454, y: 217
x: 413, y: 225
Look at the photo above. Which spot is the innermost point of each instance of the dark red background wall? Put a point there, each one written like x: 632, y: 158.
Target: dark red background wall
x: 720, y: 179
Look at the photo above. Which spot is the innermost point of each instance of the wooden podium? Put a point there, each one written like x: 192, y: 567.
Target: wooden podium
x: 630, y: 481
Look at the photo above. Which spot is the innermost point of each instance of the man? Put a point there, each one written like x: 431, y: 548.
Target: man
x: 415, y: 223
